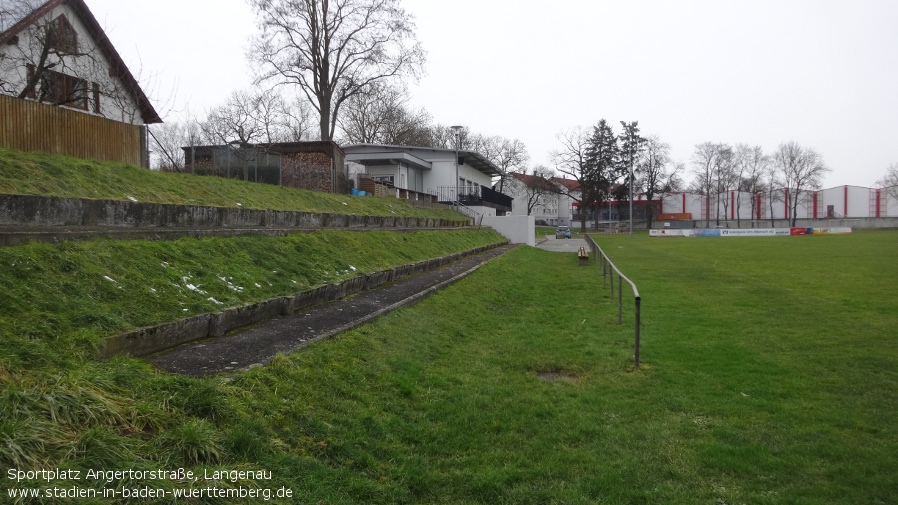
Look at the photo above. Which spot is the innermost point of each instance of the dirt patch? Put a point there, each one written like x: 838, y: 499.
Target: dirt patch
x: 557, y: 376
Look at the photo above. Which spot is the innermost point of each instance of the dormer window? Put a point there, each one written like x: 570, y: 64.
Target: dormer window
x: 62, y: 36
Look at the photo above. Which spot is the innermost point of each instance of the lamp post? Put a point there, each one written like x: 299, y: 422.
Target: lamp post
x: 457, y: 130
x: 629, y: 129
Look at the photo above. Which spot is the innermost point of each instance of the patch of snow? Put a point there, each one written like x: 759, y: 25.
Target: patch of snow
x: 131, y: 198
x: 352, y: 268
x: 213, y: 300
x: 239, y: 204
x: 110, y: 279
x: 230, y: 284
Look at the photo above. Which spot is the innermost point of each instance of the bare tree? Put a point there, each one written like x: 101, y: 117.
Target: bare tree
x: 658, y: 175
x: 703, y: 161
x: 168, y: 140
x: 507, y: 154
x: 572, y: 160
x: 334, y: 49
x: 773, y: 182
x: 752, y: 165
x: 801, y: 169
x: 256, y: 117
x: 890, y: 180
x: 381, y: 115
x: 724, y: 178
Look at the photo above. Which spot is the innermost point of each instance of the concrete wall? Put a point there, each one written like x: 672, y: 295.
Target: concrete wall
x: 151, y: 339
x: 517, y: 229
x: 40, y: 211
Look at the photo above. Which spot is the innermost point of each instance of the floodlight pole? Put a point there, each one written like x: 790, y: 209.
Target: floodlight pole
x: 457, y: 130
x: 630, y: 153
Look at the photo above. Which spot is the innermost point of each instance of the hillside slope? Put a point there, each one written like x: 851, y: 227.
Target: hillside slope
x: 53, y: 175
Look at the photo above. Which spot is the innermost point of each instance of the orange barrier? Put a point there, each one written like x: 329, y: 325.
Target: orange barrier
x: 682, y: 216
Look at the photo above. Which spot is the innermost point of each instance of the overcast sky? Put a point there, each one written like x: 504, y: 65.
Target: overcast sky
x: 821, y: 73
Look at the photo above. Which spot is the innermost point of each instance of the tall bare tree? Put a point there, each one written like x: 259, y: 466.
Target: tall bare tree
x: 334, y: 49
x: 724, y: 178
x: 703, y: 160
x: 752, y: 163
x: 657, y: 174
x: 801, y: 169
x: 572, y: 160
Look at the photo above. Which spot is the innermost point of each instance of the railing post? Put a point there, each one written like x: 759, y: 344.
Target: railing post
x: 636, y: 353
x: 612, y: 286
x: 620, y: 300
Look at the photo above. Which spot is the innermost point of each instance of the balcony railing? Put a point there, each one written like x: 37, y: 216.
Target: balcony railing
x: 473, y: 195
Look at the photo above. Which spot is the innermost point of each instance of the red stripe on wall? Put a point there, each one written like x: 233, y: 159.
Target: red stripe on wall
x: 845, y: 210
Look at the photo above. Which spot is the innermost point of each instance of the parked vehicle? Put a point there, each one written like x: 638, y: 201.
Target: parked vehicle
x: 563, y: 232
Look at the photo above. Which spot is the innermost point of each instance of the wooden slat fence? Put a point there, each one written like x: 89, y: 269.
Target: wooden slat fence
x: 32, y: 126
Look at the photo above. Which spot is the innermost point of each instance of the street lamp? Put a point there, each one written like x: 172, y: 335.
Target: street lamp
x: 629, y: 129
x: 457, y: 130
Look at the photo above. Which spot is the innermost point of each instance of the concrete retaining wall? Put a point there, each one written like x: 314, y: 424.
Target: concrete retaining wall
x: 517, y: 229
x: 42, y: 211
x: 152, y: 339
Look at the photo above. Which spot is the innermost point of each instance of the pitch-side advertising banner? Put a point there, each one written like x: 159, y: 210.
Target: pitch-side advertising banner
x: 749, y: 232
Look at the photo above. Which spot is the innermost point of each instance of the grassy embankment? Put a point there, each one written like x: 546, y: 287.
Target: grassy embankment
x: 770, y: 377
x: 52, y: 175
x: 770, y: 374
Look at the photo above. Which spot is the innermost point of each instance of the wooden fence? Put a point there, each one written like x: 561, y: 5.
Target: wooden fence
x: 32, y: 126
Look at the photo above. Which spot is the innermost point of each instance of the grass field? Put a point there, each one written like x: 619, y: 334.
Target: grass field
x: 770, y: 376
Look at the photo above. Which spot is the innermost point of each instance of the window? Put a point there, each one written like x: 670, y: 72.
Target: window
x: 62, y: 89
x: 61, y: 36
x: 96, y: 91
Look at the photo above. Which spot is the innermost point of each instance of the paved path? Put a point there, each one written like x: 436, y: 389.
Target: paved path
x: 260, y: 343
x: 571, y: 245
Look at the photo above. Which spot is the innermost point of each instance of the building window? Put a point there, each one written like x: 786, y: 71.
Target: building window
x: 62, y: 89
x: 61, y: 36
x: 96, y: 91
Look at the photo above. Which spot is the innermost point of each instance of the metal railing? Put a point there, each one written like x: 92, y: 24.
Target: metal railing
x: 608, y: 270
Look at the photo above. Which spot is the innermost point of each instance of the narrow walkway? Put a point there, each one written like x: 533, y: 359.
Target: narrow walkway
x: 15, y: 235
x: 259, y: 344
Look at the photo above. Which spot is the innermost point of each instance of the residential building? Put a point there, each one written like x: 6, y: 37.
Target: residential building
x: 432, y: 171
x: 54, y: 52
x: 540, y: 196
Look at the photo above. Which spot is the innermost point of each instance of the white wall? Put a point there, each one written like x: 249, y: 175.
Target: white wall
x: 847, y: 202
x: 517, y: 229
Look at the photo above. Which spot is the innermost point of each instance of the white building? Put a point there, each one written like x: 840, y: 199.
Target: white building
x: 432, y: 171
x: 841, y: 202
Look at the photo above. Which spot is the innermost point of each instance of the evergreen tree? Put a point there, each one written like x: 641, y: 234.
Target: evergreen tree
x: 602, y: 167
x: 631, y: 144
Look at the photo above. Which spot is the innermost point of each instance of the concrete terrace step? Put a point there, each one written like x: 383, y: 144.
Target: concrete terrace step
x: 53, y: 219
x: 259, y: 344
